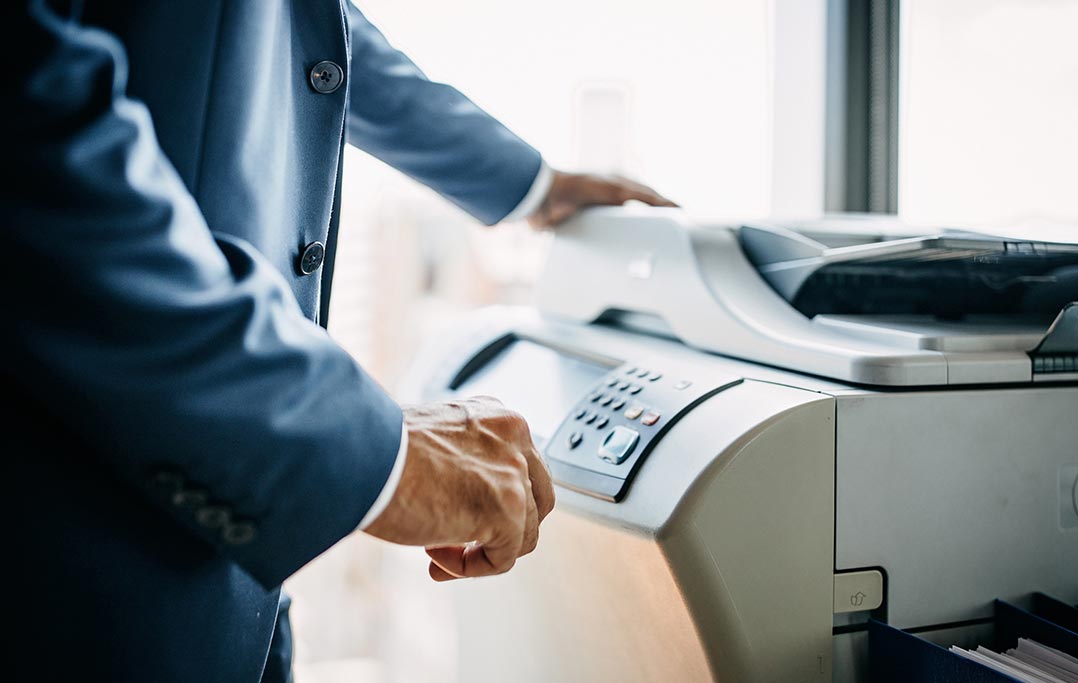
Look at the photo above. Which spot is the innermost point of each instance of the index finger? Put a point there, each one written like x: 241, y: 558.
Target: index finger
x: 643, y: 193
x: 650, y: 198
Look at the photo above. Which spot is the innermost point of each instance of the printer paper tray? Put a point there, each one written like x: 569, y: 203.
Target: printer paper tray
x: 898, y: 656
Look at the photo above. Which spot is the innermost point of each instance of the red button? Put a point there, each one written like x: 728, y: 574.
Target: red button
x: 650, y: 417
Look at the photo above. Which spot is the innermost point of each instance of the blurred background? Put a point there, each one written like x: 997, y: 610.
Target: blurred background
x: 680, y: 95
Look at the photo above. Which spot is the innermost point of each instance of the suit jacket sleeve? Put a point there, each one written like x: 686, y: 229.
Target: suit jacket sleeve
x: 431, y: 132
x: 182, y: 358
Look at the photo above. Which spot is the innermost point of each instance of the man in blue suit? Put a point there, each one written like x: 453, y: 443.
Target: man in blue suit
x: 183, y: 434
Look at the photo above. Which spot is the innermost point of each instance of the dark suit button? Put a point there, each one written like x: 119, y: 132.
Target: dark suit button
x: 238, y: 533
x: 311, y: 260
x: 168, y: 483
x: 213, y: 516
x: 326, y: 77
x: 189, y: 498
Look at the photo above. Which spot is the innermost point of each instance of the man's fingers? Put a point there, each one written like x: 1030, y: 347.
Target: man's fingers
x: 500, y: 554
x: 531, y: 528
x: 618, y: 190
x: 449, y: 561
x: 474, y: 559
x: 574, y: 191
x: 542, y: 483
x: 637, y: 186
x: 501, y: 493
x: 463, y: 561
x: 659, y: 200
x: 642, y: 193
x: 648, y: 198
x: 438, y: 574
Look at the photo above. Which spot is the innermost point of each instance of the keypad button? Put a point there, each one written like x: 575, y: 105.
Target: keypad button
x: 623, y: 386
x: 650, y: 417
x: 579, y: 415
x: 607, y: 400
x: 596, y: 396
x: 635, y: 389
x: 655, y: 376
x: 634, y: 412
x: 592, y: 417
x: 618, y: 445
x: 682, y: 384
x: 603, y: 421
x: 612, y: 382
x: 575, y: 439
x: 631, y: 371
x: 618, y: 404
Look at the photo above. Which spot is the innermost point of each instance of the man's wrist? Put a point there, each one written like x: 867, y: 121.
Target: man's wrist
x: 389, y: 489
x: 535, y: 196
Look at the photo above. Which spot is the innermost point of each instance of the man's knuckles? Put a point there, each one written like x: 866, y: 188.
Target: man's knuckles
x: 508, y: 424
x: 513, y: 504
x: 530, y: 545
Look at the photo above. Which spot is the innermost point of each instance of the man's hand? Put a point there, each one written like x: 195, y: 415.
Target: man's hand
x: 474, y: 489
x: 570, y: 192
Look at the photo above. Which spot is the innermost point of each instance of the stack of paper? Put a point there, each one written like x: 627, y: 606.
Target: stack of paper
x: 1030, y: 662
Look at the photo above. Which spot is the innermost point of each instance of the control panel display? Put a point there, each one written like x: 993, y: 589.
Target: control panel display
x: 616, y: 423
x: 535, y: 380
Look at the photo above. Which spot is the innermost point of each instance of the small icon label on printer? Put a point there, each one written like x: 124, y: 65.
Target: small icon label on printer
x: 858, y: 591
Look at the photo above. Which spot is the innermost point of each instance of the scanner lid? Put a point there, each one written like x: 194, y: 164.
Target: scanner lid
x: 867, y: 301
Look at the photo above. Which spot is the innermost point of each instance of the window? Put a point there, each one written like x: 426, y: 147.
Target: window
x: 989, y: 102
x: 674, y: 92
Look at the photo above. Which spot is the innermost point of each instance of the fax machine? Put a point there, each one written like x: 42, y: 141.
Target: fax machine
x: 767, y: 438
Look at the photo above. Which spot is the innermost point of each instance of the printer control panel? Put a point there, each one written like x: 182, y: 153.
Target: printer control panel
x: 608, y: 433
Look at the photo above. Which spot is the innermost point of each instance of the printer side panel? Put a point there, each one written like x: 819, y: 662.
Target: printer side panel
x: 752, y: 548
x: 961, y: 497
x: 734, y: 584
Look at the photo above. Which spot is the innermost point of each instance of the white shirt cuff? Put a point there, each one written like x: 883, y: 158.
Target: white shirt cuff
x: 536, y: 194
x: 390, y: 487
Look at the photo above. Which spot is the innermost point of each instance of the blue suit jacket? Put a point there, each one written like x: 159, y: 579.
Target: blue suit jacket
x: 185, y: 436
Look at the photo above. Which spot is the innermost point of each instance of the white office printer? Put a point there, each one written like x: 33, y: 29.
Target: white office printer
x: 773, y: 440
